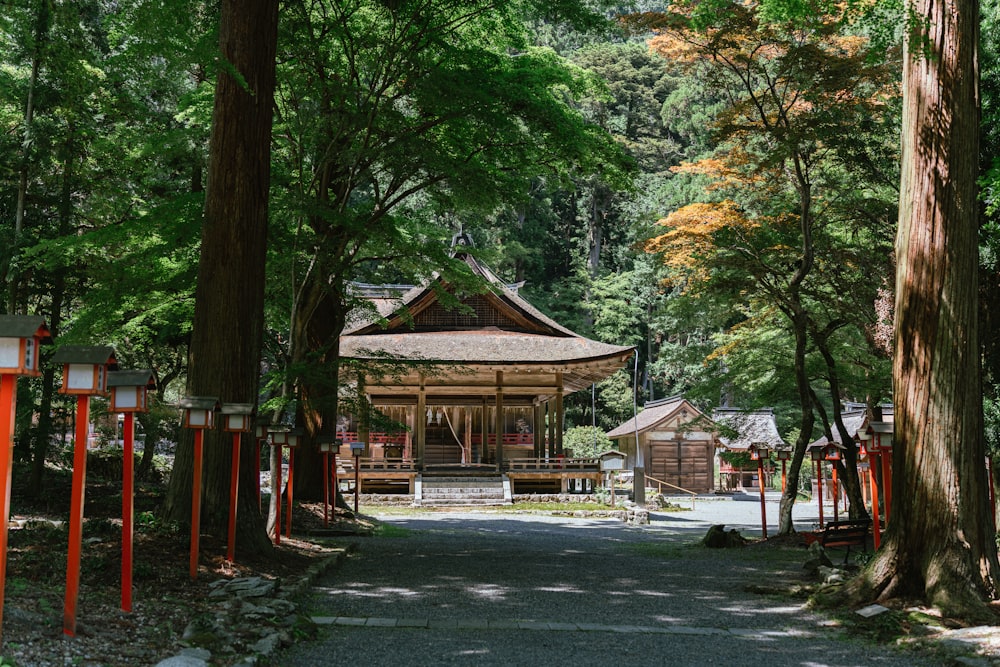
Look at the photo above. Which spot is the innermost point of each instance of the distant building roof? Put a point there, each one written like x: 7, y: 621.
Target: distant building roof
x: 751, y: 426
x: 652, y: 414
x: 853, y: 420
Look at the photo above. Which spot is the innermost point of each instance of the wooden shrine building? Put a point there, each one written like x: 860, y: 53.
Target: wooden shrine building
x: 482, y: 386
x: 676, y: 443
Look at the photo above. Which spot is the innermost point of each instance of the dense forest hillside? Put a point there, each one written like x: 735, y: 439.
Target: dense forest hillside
x: 726, y: 205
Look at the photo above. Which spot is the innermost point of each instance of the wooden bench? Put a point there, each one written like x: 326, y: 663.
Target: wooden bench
x: 846, y: 534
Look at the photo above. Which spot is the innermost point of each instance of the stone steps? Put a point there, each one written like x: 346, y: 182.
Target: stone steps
x: 457, y: 491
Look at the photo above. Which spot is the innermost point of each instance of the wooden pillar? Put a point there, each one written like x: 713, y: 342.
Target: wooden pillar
x: 559, y: 414
x: 551, y: 445
x: 364, y: 421
x: 467, y: 435
x: 538, y: 430
x: 420, y: 422
x: 410, y: 419
x: 499, y: 420
x: 484, y: 427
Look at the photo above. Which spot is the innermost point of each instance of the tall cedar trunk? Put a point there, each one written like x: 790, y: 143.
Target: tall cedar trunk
x: 940, y: 543
x: 316, y: 331
x: 229, y: 299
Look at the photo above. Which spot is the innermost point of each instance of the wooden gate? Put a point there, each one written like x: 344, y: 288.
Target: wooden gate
x: 685, y: 464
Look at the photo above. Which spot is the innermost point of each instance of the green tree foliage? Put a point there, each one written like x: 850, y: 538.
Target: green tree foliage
x: 394, y: 121
x: 782, y: 228
x: 586, y: 442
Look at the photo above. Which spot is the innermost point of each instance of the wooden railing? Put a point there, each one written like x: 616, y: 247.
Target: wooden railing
x: 508, y: 438
x: 374, y: 437
x: 660, y: 484
x: 367, y: 463
x: 588, y: 465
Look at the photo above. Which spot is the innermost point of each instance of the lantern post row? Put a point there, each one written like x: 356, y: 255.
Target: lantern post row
x: 128, y: 396
x: 85, y: 374
x: 199, y: 415
x: 20, y: 337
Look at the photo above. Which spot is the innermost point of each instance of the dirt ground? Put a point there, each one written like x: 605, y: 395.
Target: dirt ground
x: 165, y: 598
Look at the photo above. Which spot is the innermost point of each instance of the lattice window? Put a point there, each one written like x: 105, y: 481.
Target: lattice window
x: 486, y: 315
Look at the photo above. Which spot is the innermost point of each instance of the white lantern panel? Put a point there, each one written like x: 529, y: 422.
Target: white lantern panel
x: 197, y: 418
x: 127, y: 397
x: 10, y: 352
x: 80, y: 376
x: 237, y: 422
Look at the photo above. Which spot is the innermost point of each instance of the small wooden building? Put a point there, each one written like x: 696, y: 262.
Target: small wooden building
x: 676, y: 443
x: 743, y: 428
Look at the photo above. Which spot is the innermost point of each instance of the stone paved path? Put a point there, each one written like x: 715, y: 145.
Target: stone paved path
x: 487, y: 589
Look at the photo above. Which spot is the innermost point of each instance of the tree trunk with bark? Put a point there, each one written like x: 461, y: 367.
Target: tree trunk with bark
x: 939, y: 546
x: 229, y: 300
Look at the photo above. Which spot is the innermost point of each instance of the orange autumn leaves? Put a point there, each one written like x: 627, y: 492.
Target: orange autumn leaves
x: 689, y: 243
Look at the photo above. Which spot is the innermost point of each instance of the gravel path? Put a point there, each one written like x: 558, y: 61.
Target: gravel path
x: 516, y: 589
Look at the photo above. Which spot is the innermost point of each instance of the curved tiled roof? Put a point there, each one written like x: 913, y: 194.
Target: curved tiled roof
x: 751, y: 426
x: 525, y: 336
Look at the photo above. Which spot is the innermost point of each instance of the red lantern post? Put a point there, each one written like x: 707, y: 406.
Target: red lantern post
x: 759, y: 452
x: 85, y: 374
x: 128, y: 396
x: 832, y: 453
x: 873, y: 451
x: 199, y: 415
x: 817, y: 455
x: 784, y: 455
x: 279, y: 437
x: 326, y: 445
x: 20, y: 337
x: 237, y: 419
x: 293, y: 440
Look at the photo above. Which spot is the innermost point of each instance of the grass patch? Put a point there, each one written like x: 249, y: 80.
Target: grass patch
x: 661, y: 550
x: 390, y: 530
x: 559, y: 507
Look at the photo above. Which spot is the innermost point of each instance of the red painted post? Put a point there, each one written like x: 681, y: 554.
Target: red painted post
x: 234, y: 487
x: 128, y: 506
x: 836, y: 492
x: 876, y: 530
x: 291, y: 474
x: 763, y: 508
x: 8, y: 407
x: 76, y: 514
x: 784, y: 475
x: 276, y: 489
x: 819, y: 490
x: 336, y: 485
x: 196, y: 503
